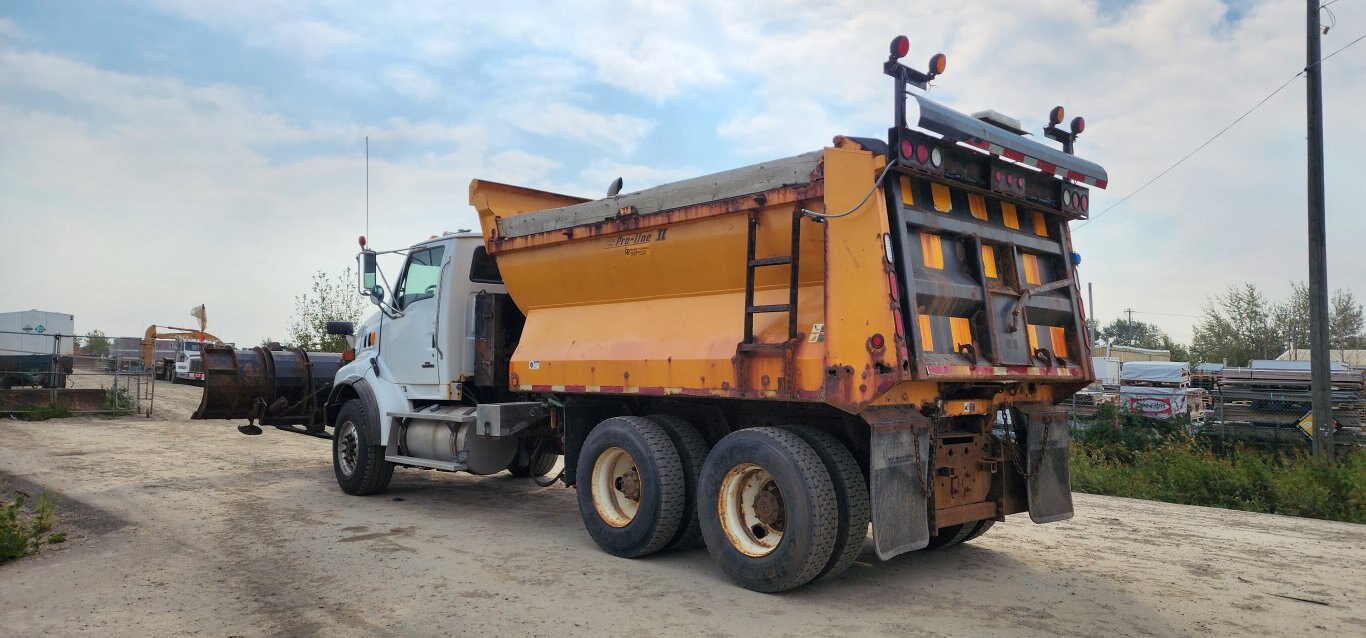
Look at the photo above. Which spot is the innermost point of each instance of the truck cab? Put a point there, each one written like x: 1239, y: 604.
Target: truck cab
x: 425, y: 340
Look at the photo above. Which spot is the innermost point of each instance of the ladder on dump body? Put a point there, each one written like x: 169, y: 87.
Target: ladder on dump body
x: 752, y: 264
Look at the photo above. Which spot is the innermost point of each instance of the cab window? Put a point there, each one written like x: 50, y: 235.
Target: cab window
x: 483, y: 269
x: 421, y: 275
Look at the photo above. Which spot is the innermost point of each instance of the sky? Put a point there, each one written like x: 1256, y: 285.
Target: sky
x: 161, y: 154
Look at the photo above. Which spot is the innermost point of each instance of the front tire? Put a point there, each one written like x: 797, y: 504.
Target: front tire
x: 768, y: 509
x: 630, y: 486
x: 540, y: 461
x: 356, y: 460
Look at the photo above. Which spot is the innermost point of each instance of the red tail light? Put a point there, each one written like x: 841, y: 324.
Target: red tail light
x: 901, y: 45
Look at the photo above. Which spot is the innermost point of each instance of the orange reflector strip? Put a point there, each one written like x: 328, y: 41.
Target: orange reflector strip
x: 1058, y: 336
x: 932, y: 247
x: 1031, y: 268
x: 926, y: 334
x: 943, y: 202
x: 1033, y: 339
x: 989, y: 261
x: 907, y: 197
x: 978, y: 205
x: 961, y: 331
x: 1040, y: 228
x: 1009, y: 216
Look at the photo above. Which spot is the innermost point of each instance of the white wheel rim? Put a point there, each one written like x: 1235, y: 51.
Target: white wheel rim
x: 616, y: 500
x: 745, y: 486
x: 347, y: 447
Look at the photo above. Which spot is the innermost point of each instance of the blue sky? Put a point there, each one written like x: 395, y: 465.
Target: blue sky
x: 163, y: 154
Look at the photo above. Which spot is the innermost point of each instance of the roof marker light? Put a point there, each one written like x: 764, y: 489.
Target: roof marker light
x: 1078, y: 125
x: 938, y: 62
x: 901, y: 45
x: 362, y: 241
x: 1055, y: 116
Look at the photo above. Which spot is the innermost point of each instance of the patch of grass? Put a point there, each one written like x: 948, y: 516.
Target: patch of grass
x: 58, y: 410
x: 1181, y: 470
x: 22, y: 532
x: 117, y: 401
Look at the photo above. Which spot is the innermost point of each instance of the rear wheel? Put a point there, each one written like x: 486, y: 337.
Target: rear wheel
x: 630, y: 489
x: 982, y: 527
x: 692, y: 453
x: 768, y: 509
x: 358, y: 463
x: 851, y: 492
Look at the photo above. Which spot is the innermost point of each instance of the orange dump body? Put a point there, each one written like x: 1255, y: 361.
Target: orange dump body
x: 923, y: 283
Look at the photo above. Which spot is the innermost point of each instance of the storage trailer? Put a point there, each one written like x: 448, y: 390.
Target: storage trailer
x: 36, y: 348
x: 763, y: 361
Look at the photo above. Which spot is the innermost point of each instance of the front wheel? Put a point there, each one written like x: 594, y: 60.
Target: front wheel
x: 356, y: 460
x: 768, y: 509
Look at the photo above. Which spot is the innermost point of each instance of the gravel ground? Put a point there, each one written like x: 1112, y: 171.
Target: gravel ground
x: 185, y: 527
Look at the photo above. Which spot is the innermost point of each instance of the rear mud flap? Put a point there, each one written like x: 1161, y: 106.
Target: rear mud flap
x: 1046, y: 458
x: 900, y: 474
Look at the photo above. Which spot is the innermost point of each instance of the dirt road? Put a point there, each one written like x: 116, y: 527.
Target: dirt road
x: 195, y: 529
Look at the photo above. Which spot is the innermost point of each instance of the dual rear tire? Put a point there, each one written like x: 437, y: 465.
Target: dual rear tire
x: 775, y: 507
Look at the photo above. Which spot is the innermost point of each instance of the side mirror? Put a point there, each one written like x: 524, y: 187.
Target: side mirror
x: 368, y: 269
x: 377, y: 295
x: 341, y: 328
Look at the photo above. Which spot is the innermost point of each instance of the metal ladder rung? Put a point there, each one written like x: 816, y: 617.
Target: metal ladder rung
x: 770, y: 261
x: 763, y: 347
x: 782, y: 307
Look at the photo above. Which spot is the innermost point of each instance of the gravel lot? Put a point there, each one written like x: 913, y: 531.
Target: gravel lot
x: 187, y: 527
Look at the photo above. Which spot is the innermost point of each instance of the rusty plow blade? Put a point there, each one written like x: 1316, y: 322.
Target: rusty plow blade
x: 286, y: 388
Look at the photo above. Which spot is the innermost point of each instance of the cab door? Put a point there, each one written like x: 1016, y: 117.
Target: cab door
x: 408, y: 342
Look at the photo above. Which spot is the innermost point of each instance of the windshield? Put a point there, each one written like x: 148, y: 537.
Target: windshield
x: 192, y: 346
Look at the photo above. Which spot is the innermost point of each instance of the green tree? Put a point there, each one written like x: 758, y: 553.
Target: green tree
x: 1237, y: 327
x: 331, y: 299
x: 1137, y: 334
x: 98, y: 343
x: 1290, y: 319
x: 1346, y: 323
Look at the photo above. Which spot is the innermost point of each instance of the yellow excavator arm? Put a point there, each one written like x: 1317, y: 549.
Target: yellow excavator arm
x: 154, y: 332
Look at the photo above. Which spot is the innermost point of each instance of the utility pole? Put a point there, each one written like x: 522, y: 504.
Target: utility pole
x: 1321, y: 388
x: 1131, y: 315
x: 1091, y: 305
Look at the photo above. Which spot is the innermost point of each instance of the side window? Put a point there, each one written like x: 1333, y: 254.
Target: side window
x: 421, y: 276
x: 483, y: 269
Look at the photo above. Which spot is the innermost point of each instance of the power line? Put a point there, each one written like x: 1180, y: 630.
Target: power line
x: 1215, y: 137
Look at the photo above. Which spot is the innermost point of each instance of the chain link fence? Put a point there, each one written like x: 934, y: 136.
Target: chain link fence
x: 1231, y: 407
x: 54, y: 375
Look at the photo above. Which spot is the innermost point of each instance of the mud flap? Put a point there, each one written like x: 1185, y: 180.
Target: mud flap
x: 900, y: 473
x: 1046, y: 457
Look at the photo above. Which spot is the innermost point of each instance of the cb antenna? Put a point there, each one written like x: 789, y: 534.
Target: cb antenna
x: 367, y: 185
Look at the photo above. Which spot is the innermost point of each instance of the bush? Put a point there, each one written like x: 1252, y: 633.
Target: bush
x: 1183, y: 471
x: 21, y: 532
x: 58, y: 410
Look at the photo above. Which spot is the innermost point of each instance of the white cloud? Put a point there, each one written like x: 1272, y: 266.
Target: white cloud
x: 615, y: 132
x: 161, y: 191
x: 412, y: 82
x: 10, y: 30
x: 1154, y: 78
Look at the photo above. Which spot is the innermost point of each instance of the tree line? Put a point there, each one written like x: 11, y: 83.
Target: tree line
x: 1243, y: 323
